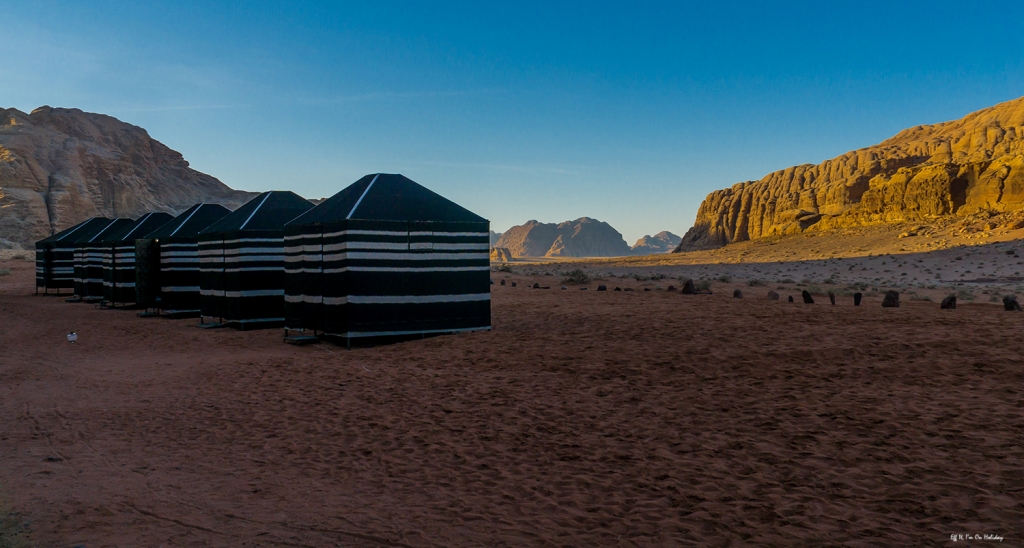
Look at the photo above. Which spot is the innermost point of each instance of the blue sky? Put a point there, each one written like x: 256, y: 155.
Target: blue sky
x: 629, y: 113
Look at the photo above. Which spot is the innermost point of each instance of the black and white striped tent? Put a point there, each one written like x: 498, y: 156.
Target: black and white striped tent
x: 55, y: 256
x: 241, y: 261
x: 119, y: 257
x: 89, y: 261
x: 176, y: 247
x: 387, y: 257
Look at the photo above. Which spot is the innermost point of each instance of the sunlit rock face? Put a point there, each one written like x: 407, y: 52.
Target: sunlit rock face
x: 954, y: 168
x: 60, y: 166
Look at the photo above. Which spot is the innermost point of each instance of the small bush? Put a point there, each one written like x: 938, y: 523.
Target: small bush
x: 576, y: 277
x: 724, y: 278
x: 20, y: 257
x: 4, y: 271
x: 503, y: 268
x: 755, y: 283
x: 786, y: 281
x: 965, y: 294
x: 703, y: 285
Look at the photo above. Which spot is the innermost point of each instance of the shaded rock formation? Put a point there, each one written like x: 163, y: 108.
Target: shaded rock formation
x: 584, y: 237
x: 960, y: 167
x: 662, y: 242
x: 494, y: 237
x: 61, y: 166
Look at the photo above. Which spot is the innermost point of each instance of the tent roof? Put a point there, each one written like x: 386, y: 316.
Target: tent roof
x: 191, y: 221
x: 139, y: 227
x: 387, y: 197
x: 112, y: 227
x: 268, y: 211
x: 78, y: 233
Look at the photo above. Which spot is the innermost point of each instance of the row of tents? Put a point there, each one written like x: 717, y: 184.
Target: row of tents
x: 383, y: 257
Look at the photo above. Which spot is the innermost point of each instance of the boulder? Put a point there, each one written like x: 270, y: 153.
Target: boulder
x: 891, y: 299
x: 737, y: 294
x: 583, y: 289
x: 513, y: 284
x: 832, y: 298
x: 617, y: 289
x: 773, y: 296
x: 807, y: 297
x: 628, y: 289
x: 949, y: 303
x: 536, y: 285
x: 790, y: 298
x: 502, y: 282
x: 564, y: 288
x: 602, y: 288
x: 1010, y: 303
x: 671, y: 288
x: 689, y: 288
x: 856, y: 299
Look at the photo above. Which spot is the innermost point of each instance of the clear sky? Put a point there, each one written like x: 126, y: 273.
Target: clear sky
x: 627, y: 112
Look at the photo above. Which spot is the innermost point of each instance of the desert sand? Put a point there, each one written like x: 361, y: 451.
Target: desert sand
x: 584, y: 418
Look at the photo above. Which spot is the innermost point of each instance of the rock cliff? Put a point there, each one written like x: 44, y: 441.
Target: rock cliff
x: 584, y: 237
x: 662, y: 242
x: 960, y: 167
x: 61, y: 166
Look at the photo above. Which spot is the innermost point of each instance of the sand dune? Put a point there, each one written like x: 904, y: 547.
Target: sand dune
x: 641, y: 418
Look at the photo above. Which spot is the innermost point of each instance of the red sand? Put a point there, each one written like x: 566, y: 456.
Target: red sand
x: 583, y: 418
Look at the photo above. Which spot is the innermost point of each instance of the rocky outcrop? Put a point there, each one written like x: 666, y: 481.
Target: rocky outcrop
x: 584, y: 237
x: 61, y: 166
x: 954, y: 168
x: 662, y: 242
x: 494, y: 237
x: 500, y: 255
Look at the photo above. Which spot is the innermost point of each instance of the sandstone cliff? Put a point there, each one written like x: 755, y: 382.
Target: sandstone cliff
x: 954, y: 168
x: 662, y: 242
x: 61, y: 166
x: 500, y: 255
x: 584, y: 237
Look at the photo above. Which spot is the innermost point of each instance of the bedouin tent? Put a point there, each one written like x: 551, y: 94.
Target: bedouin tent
x: 55, y: 256
x: 167, y: 260
x: 89, y: 261
x: 119, y: 257
x: 387, y: 257
x: 241, y: 261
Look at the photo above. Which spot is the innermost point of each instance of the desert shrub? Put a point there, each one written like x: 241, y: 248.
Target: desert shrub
x: 786, y: 281
x: 815, y: 290
x: 915, y: 297
x: 724, y: 278
x: 4, y: 271
x: 658, y: 276
x: 965, y: 294
x: 702, y: 285
x: 576, y: 277
x: 503, y: 268
x: 993, y: 298
x: 755, y: 283
x: 638, y: 277
x: 20, y: 257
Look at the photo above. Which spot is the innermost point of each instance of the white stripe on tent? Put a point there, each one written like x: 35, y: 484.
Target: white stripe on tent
x: 410, y: 256
x: 360, y: 200
x: 399, y: 299
x: 186, y: 220
x: 403, y: 269
x: 254, y: 212
x: 397, y: 333
x: 180, y: 288
x: 251, y: 293
x: 385, y: 233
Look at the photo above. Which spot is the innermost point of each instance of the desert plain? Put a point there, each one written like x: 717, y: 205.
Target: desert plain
x: 583, y: 418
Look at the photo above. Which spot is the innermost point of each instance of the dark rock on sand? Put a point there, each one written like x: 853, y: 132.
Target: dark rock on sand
x: 856, y: 299
x: 949, y: 303
x: 1010, y: 303
x: 832, y: 297
x: 773, y: 296
x: 737, y: 294
x: 602, y: 288
x: 807, y: 297
x: 790, y: 298
x: 891, y: 299
x: 689, y: 288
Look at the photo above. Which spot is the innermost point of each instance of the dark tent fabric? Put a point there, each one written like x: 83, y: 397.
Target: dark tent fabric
x: 387, y: 257
x: 119, y: 257
x: 89, y: 260
x: 175, y: 273
x: 55, y: 256
x: 241, y: 261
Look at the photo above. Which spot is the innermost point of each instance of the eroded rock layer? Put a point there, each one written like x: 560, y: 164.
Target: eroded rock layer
x: 954, y: 168
x: 61, y: 166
